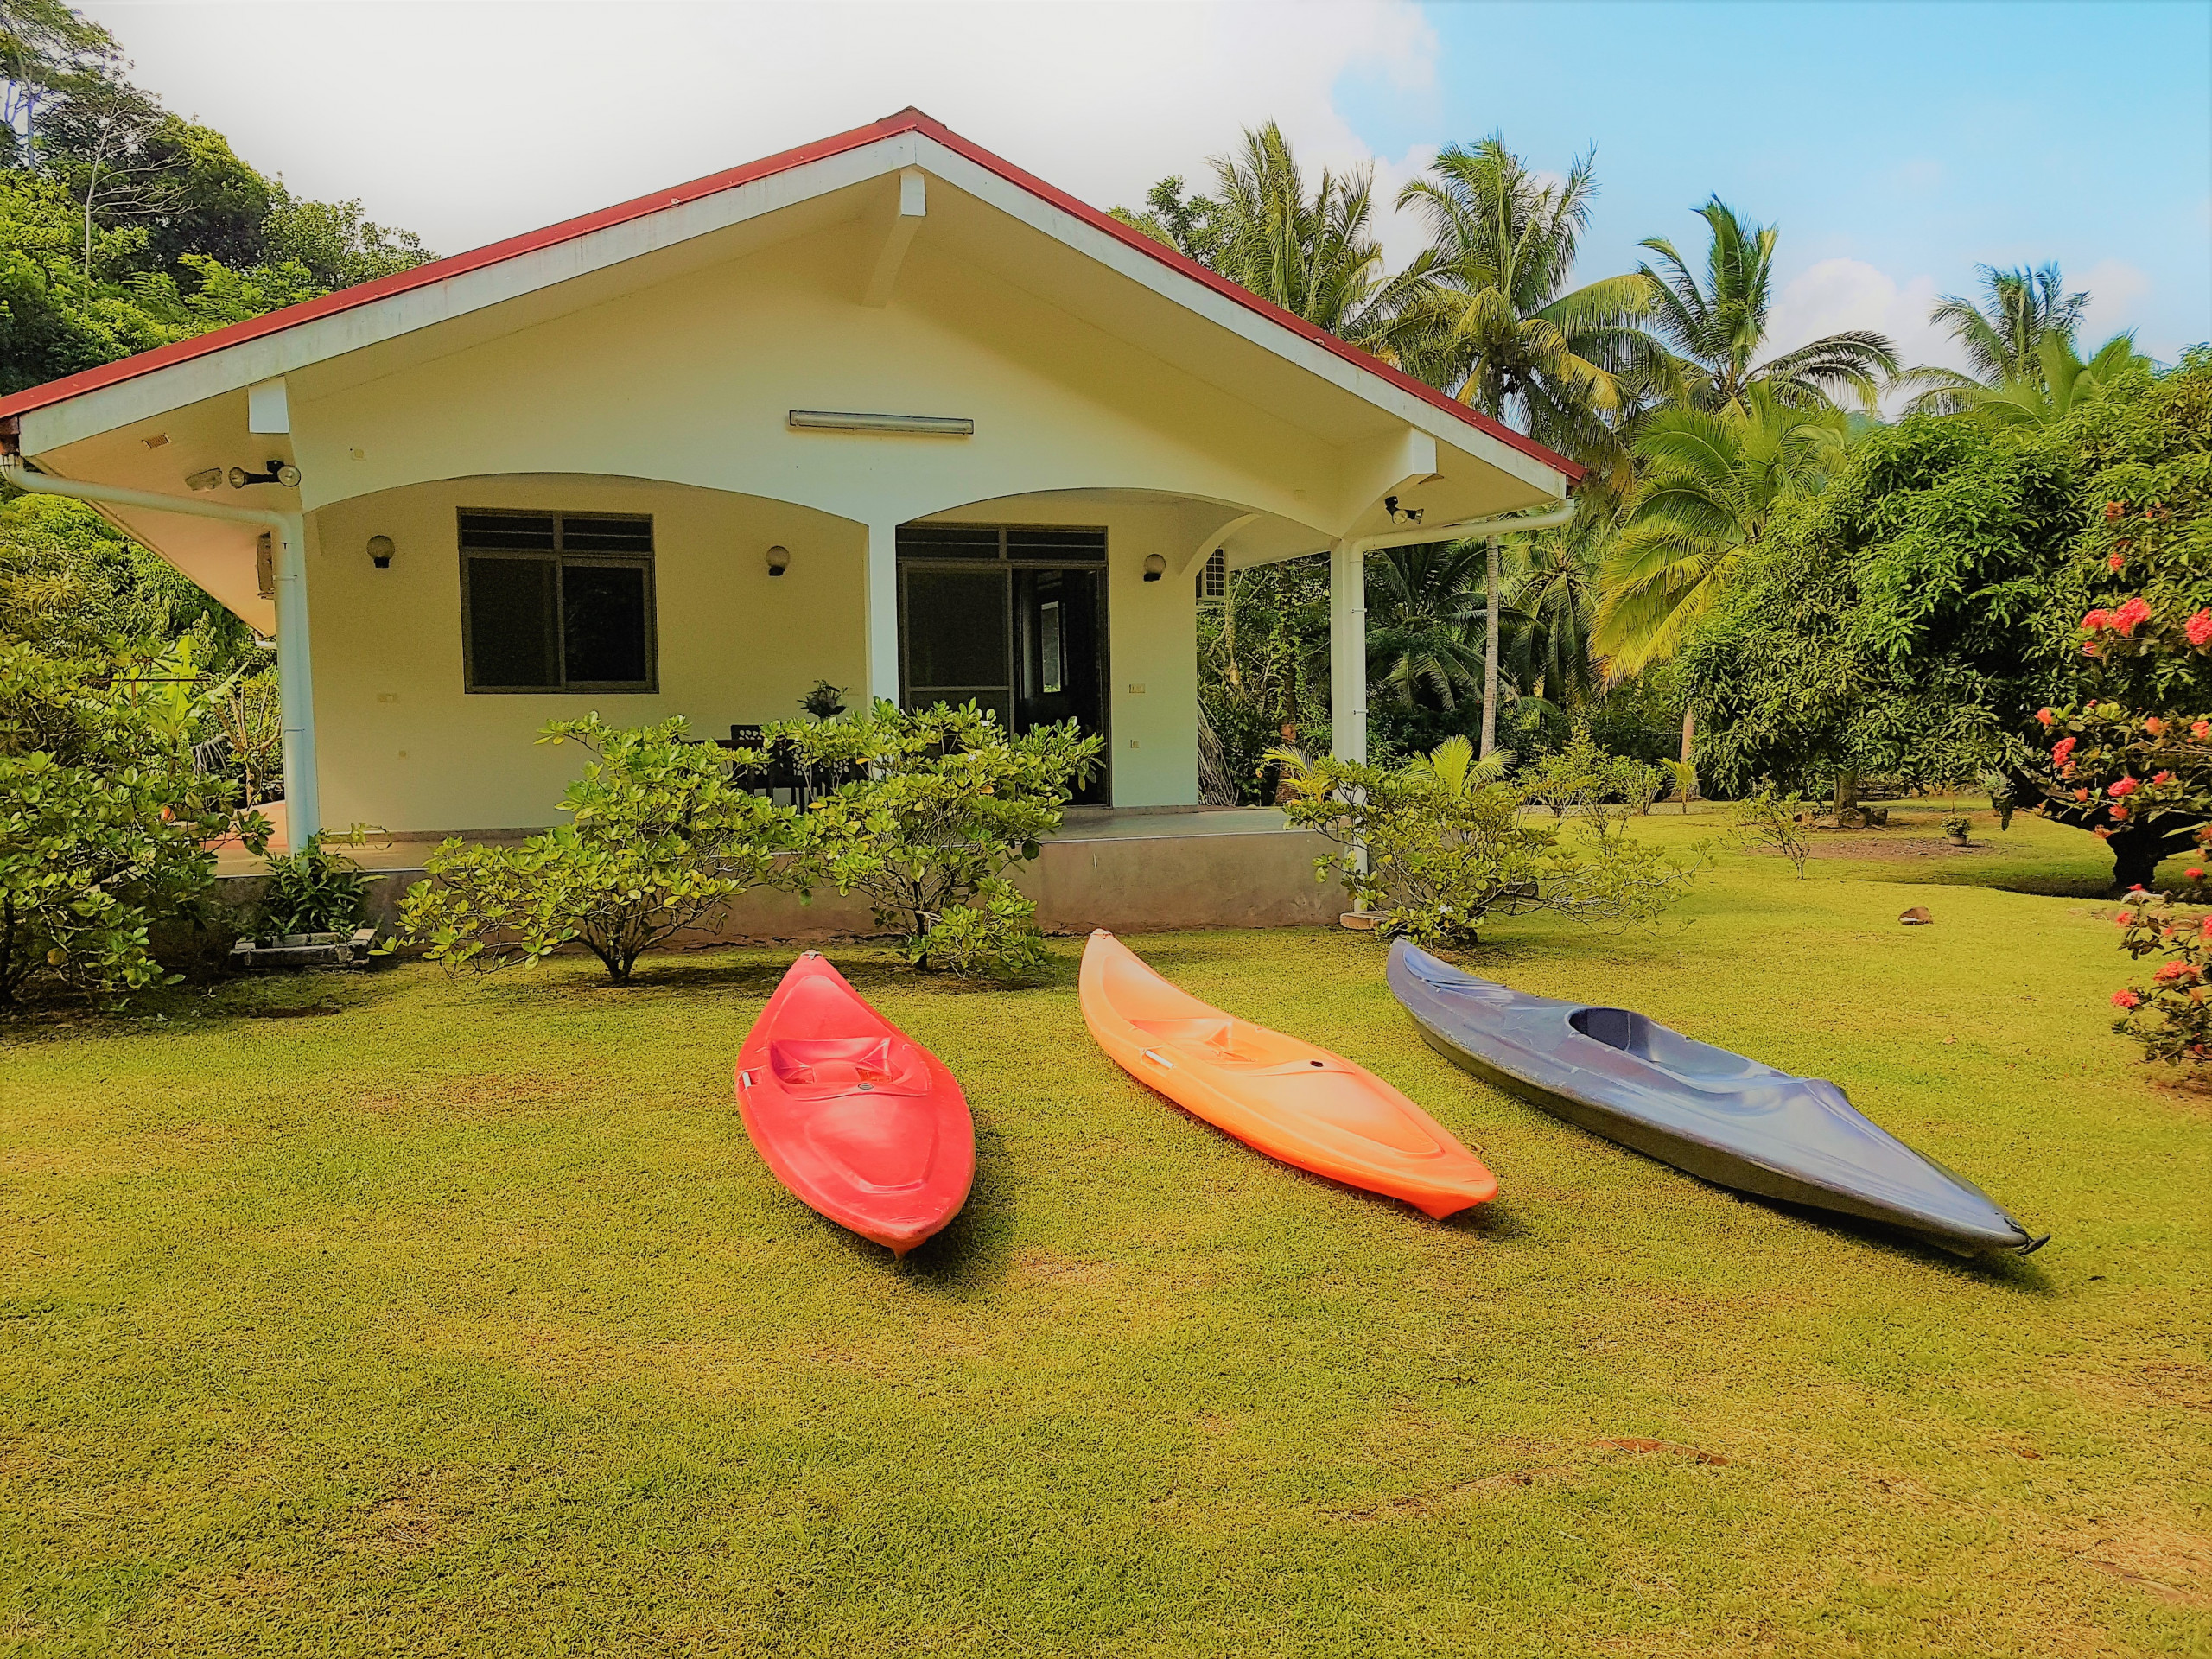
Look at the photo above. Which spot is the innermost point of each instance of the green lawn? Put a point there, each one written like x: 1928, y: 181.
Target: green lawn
x: 462, y: 1318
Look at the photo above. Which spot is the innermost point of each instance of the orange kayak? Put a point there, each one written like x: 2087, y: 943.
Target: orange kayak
x: 1294, y: 1101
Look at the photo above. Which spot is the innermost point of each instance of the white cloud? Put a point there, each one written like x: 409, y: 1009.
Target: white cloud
x: 2114, y: 287
x: 1839, y: 294
x: 468, y: 120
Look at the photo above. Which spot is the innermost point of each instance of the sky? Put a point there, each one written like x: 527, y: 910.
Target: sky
x: 1898, y: 145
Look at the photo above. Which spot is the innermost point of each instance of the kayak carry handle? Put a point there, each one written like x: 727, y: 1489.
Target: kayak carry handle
x: 1158, y: 1058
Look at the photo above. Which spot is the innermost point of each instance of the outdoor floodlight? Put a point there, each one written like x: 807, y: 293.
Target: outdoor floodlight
x: 380, y: 551
x: 1155, y: 566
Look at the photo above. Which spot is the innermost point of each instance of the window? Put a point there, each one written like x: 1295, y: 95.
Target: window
x: 556, y: 601
x: 1003, y: 543
x: 1213, y: 578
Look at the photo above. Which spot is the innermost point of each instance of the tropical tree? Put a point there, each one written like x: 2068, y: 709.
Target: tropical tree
x: 1314, y: 254
x: 1719, y: 323
x: 1551, y: 595
x: 1426, y: 625
x: 2062, y: 383
x: 1715, y: 480
x: 1486, y: 312
x: 2002, y: 337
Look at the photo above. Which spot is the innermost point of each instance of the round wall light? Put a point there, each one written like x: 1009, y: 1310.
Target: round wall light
x: 1155, y: 566
x: 780, y: 560
x: 380, y: 551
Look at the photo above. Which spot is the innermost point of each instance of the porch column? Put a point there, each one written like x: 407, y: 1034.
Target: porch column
x: 881, y: 625
x: 295, y: 682
x: 1348, y: 650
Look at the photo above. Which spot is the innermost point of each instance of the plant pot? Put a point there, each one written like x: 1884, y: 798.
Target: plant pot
x: 1956, y: 839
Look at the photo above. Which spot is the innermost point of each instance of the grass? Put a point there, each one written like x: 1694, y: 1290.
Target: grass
x: 460, y: 1318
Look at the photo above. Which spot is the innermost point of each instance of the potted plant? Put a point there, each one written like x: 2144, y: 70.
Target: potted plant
x: 825, y: 702
x: 1955, y: 829
x: 312, y: 908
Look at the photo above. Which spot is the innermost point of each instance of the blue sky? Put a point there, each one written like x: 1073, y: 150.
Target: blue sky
x: 1898, y: 145
x: 1919, y: 140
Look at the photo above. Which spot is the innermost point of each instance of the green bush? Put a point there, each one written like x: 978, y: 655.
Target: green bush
x: 658, y: 839
x: 102, y: 818
x: 1779, y: 823
x: 941, y: 803
x: 1447, y: 846
x: 315, y: 890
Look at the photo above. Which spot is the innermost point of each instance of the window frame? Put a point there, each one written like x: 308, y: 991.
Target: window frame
x: 560, y: 558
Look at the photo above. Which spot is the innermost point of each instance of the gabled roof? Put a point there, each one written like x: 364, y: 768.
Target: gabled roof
x: 908, y: 120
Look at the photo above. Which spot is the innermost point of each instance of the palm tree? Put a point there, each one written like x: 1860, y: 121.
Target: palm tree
x: 1714, y: 478
x: 1485, y: 312
x: 2062, y: 383
x: 2002, y: 338
x: 1425, y: 623
x: 1720, y: 324
x: 1315, y: 256
x: 1552, y: 589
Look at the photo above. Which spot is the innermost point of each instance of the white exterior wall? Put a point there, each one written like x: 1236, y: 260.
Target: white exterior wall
x: 675, y: 402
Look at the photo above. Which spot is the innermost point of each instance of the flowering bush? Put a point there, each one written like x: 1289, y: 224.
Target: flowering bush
x: 2172, y: 1015
x: 2131, y: 759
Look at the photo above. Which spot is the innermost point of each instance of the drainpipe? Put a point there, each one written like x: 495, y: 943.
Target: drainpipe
x: 295, y: 670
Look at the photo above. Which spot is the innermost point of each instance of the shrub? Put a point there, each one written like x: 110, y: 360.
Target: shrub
x: 1446, y: 847
x: 101, y: 820
x: 942, y: 804
x: 315, y: 890
x: 1683, y: 775
x: 658, y: 839
x: 2169, y: 1016
x: 1957, y: 827
x: 1779, y: 822
x: 1581, y: 775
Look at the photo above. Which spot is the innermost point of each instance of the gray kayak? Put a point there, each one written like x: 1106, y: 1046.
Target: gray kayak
x: 1716, y: 1114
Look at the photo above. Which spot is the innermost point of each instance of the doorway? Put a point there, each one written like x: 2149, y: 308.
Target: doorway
x: 1010, y: 616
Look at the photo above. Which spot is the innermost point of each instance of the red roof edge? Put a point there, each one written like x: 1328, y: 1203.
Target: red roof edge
x: 906, y: 120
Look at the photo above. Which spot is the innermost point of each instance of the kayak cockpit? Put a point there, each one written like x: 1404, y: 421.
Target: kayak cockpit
x: 836, y: 1065
x: 1635, y: 1034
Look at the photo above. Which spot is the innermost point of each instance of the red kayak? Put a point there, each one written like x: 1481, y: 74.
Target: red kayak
x: 856, y: 1117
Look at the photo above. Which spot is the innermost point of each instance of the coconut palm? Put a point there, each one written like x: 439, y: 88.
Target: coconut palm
x: 2003, y: 338
x: 1426, y: 623
x: 2062, y: 383
x: 1713, y: 480
x: 1720, y: 323
x: 1551, y: 578
x: 1485, y: 311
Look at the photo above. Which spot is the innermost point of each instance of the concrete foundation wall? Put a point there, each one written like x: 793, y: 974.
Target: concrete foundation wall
x: 1127, y: 884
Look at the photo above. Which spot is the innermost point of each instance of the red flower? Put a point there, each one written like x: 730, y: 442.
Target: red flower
x: 2161, y: 779
x: 2119, y: 811
x: 2125, y: 999
x: 2080, y: 794
x: 2154, y: 725
x: 2061, y: 751
x: 2045, y: 715
x: 2174, y: 970
x: 2199, y: 628
x: 2132, y: 616
x: 2117, y: 561
x: 2115, y: 510
x: 2097, y: 619
x: 2194, y: 874
x: 2120, y: 788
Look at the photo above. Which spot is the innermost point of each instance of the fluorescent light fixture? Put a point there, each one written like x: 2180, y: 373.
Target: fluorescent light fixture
x: 830, y: 420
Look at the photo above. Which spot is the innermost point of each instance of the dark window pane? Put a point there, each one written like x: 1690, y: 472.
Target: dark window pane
x: 1057, y: 546
x: 491, y: 531
x: 604, y: 617
x: 947, y: 542
x: 955, y: 628
x: 511, y: 641
x: 607, y: 535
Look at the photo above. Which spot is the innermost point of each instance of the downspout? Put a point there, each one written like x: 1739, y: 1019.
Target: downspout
x: 295, y: 668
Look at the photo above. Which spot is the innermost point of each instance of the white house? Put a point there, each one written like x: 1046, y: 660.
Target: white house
x: 886, y: 410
